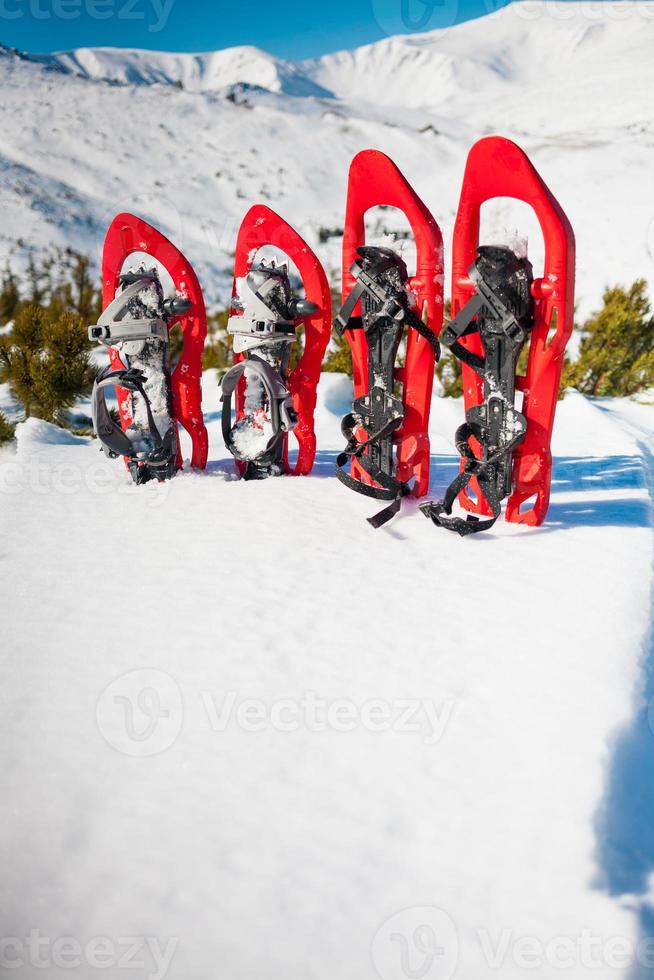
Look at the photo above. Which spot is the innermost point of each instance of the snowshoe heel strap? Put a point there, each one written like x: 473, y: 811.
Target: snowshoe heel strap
x: 161, y: 462
x: 282, y: 413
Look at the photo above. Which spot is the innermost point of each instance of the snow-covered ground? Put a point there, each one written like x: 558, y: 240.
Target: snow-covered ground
x: 266, y: 741
x: 191, y: 141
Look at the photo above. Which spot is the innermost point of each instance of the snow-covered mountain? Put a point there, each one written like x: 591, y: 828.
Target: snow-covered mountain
x: 189, y: 141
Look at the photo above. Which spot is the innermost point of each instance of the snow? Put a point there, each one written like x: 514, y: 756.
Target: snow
x: 32, y: 434
x: 239, y: 726
x: 274, y: 742
x: 251, y: 436
x: 89, y: 133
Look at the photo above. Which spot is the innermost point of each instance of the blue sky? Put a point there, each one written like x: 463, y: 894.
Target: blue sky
x: 286, y: 27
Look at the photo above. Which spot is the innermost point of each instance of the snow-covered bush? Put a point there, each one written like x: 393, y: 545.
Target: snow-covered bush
x: 616, y: 356
x: 45, y: 361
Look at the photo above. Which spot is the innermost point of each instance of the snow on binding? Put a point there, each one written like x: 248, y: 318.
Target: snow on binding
x: 135, y: 326
x: 272, y: 399
x: 498, y: 308
x: 387, y: 438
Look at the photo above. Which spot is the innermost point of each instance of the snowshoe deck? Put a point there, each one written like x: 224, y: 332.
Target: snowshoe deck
x: 496, y: 167
x: 151, y: 399
x: 271, y: 398
x: 387, y: 432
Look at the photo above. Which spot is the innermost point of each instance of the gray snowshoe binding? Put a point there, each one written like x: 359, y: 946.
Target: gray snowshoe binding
x: 263, y: 326
x: 501, y: 313
x: 135, y: 324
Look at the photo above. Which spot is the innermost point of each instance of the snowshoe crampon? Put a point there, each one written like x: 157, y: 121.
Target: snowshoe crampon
x: 272, y: 398
x: 498, y: 308
x: 387, y: 438
x: 135, y: 326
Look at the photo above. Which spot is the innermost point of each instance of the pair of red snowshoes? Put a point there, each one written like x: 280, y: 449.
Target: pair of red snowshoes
x: 499, y: 311
x: 273, y: 397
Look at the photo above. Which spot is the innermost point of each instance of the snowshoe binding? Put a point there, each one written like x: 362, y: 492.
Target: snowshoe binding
x: 501, y: 311
x: 273, y: 400
x: 499, y: 308
x: 135, y: 327
x: 386, y: 432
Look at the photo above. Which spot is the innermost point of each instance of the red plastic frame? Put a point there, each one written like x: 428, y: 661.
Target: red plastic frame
x: 128, y: 234
x: 374, y: 180
x: 261, y: 226
x: 496, y: 167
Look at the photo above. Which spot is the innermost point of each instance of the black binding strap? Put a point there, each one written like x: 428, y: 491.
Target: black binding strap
x: 380, y: 286
x: 389, y: 488
x: 501, y: 313
x: 440, y: 512
x: 391, y: 305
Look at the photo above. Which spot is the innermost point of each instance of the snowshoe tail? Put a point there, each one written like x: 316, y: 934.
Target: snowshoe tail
x: 181, y: 390
x: 387, y: 433
x: 264, y: 321
x: 496, y: 167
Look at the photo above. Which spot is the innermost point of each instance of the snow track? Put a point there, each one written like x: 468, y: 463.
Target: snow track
x: 276, y: 841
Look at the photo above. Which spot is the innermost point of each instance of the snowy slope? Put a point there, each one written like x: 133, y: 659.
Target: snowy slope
x: 189, y: 141
x: 196, y: 73
x: 279, y: 842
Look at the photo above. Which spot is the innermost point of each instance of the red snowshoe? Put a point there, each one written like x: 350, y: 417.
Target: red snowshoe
x: 497, y: 309
x: 387, y: 431
x: 135, y: 326
x: 271, y: 398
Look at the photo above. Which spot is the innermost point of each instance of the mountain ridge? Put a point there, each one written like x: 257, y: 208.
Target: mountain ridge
x: 190, y: 141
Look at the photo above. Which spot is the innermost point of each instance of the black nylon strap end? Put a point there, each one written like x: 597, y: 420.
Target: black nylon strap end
x: 385, y: 515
